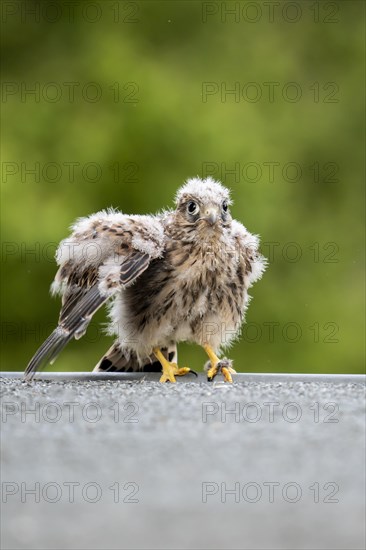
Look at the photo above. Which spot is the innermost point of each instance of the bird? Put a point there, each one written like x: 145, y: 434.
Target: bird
x: 181, y: 275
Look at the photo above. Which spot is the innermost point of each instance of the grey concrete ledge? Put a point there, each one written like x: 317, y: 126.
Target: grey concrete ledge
x: 154, y: 377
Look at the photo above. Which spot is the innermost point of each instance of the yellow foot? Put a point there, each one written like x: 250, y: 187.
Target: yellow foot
x: 170, y: 370
x: 223, y: 366
x: 216, y: 365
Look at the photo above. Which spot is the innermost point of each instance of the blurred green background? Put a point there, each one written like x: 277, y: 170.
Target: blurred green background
x: 132, y: 98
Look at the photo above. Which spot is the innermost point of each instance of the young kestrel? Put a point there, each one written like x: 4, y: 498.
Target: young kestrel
x: 178, y: 276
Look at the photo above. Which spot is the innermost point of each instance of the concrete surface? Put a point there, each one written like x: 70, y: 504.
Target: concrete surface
x: 169, y: 466
x: 199, y: 377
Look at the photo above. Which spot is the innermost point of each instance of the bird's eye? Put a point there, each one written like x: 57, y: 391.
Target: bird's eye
x: 224, y: 206
x: 192, y: 207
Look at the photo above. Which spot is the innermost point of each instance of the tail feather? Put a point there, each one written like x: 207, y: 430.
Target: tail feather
x: 124, y: 360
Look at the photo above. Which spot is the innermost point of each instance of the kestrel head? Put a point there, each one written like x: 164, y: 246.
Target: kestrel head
x: 204, y: 202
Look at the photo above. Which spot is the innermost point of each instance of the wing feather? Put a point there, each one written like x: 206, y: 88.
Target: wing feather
x: 251, y: 261
x: 105, y: 253
x: 133, y: 266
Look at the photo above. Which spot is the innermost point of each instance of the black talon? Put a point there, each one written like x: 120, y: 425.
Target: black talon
x: 222, y: 364
x: 193, y: 372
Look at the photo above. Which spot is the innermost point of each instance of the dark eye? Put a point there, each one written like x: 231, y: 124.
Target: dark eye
x: 192, y: 207
x: 224, y: 206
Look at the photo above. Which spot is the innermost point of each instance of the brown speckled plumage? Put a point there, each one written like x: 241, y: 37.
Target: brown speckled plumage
x: 182, y: 275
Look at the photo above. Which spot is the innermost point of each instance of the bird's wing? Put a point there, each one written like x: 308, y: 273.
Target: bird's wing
x: 105, y: 253
x: 251, y: 262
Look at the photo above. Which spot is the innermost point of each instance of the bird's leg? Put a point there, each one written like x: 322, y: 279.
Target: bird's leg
x: 170, y: 370
x: 215, y: 365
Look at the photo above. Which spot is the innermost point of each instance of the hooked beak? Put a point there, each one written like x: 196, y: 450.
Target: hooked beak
x: 211, y: 216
